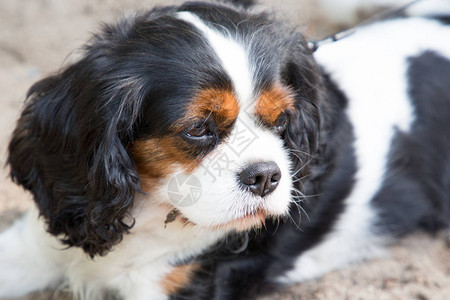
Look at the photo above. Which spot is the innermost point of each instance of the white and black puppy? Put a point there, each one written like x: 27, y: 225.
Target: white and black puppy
x: 202, y: 151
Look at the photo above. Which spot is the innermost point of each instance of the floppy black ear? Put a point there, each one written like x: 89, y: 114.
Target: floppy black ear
x: 69, y: 149
x: 302, y: 75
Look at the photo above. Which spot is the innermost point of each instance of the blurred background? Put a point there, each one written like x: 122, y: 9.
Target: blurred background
x: 37, y: 37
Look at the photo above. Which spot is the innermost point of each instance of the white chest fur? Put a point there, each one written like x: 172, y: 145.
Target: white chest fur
x: 134, y: 269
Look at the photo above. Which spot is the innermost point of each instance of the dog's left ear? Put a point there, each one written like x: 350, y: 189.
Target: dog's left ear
x: 302, y: 75
x: 70, y: 149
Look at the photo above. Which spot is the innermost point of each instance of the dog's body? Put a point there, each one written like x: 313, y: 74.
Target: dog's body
x: 362, y: 143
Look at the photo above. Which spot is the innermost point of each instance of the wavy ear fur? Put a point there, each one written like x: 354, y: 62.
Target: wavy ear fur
x: 69, y: 149
x: 302, y: 75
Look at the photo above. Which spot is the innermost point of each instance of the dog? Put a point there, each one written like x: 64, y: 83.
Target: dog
x: 204, y: 151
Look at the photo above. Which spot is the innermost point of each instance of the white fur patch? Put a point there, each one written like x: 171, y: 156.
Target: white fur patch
x: 137, y: 265
x: 26, y: 259
x: 35, y: 260
x: 370, y: 68
x: 429, y: 8
x: 232, y: 55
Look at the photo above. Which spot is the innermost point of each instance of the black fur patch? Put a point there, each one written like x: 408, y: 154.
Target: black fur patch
x: 417, y: 190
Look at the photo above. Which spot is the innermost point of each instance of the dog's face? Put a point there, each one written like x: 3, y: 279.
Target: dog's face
x: 204, y: 108
x: 220, y: 160
x: 220, y: 164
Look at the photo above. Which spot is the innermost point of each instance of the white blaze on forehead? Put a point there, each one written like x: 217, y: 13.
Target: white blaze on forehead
x: 232, y: 55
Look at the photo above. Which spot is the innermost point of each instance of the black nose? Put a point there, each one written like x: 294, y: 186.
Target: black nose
x: 261, y: 178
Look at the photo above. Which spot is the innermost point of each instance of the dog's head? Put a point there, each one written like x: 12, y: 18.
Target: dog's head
x: 207, y: 109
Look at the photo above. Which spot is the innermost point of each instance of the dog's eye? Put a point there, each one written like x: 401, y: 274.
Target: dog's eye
x: 198, y: 130
x: 280, y: 123
x: 200, y: 138
x: 203, y: 130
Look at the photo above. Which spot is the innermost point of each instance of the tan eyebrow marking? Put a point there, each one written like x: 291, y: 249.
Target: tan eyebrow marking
x: 219, y: 104
x: 272, y: 102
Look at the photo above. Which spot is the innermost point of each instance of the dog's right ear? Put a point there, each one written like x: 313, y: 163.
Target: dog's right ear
x: 69, y: 149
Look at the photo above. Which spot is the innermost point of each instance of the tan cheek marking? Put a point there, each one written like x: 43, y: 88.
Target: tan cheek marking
x: 272, y: 102
x: 178, y: 278
x: 157, y: 158
x: 218, y: 104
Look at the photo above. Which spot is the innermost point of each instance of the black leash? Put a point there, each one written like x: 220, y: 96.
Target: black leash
x: 385, y: 15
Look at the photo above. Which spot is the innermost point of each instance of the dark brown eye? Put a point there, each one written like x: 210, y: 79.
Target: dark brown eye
x: 198, y: 130
x: 203, y: 130
x: 202, y: 134
x: 280, y: 124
